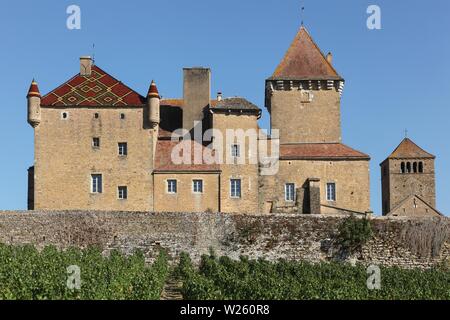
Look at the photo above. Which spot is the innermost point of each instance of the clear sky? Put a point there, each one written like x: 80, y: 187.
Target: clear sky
x: 396, y: 77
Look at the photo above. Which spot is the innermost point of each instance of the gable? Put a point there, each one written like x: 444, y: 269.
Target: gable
x: 414, y: 206
x: 98, y: 89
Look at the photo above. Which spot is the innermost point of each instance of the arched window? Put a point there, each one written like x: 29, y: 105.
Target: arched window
x: 415, y: 167
x: 421, y: 167
x: 403, y: 167
x: 408, y: 167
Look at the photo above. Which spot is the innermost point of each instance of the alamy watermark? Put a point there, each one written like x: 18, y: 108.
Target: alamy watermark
x: 238, y: 147
x: 74, y: 277
x: 73, y: 21
x: 374, y: 279
x: 374, y: 20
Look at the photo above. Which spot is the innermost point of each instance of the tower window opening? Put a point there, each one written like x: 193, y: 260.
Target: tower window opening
x: 408, y: 167
x: 420, y: 167
x: 403, y: 167
x: 415, y: 167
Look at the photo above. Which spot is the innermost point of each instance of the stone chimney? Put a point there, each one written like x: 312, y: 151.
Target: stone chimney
x: 330, y: 58
x: 85, y: 66
x: 196, y: 94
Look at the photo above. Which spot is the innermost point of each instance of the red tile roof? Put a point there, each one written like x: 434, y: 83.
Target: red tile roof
x: 98, y: 89
x: 34, y: 90
x: 153, y: 90
x: 320, y: 151
x: 163, y: 157
x: 304, y: 60
x: 407, y: 149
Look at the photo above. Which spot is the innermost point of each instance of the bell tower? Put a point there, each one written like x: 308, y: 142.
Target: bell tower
x: 303, y: 94
x: 407, y: 172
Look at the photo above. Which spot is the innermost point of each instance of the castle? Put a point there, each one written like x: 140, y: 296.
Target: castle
x: 100, y: 145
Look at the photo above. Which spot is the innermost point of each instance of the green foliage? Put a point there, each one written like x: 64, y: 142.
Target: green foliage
x: 28, y: 274
x: 223, y: 278
x: 354, y: 232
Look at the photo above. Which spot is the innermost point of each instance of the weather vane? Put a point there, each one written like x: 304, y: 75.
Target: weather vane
x: 302, y: 13
x: 406, y: 133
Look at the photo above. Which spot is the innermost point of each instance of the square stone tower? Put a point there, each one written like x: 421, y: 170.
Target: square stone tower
x: 303, y: 94
x: 407, y: 172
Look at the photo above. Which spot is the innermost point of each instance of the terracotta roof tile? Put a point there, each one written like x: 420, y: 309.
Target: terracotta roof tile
x: 34, y: 90
x: 235, y: 104
x: 99, y: 89
x: 407, y: 149
x: 163, y: 158
x: 320, y: 151
x: 304, y: 60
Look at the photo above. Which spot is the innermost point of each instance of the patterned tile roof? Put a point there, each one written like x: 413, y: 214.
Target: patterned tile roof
x: 304, y: 60
x: 163, y: 157
x: 98, y: 89
x: 320, y: 151
x: 407, y: 149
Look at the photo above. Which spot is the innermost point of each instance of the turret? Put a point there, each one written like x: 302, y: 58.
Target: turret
x: 34, y: 105
x: 153, y: 104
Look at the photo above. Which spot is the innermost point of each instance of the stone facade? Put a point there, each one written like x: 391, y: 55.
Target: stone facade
x: 309, y: 121
x: 407, y: 243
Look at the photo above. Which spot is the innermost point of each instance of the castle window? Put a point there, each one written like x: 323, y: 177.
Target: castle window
x: 64, y: 115
x: 403, y: 167
x: 408, y: 167
x: 235, y: 150
x: 415, y: 167
x: 96, y: 183
x: 122, y: 193
x: 235, y: 188
x: 331, y: 191
x: 96, y: 142
x: 122, y: 116
x: 96, y: 115
x: 197, y: 186
x: 421, y: 167
x: 172, y: 186
x: 289, y: 192
x: 123, y: 149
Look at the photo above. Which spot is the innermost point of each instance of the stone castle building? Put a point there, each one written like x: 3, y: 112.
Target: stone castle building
x: 100, y: 145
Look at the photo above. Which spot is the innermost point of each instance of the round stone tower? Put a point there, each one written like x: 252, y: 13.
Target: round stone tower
x: 34, y: 105
x: 153, y: 104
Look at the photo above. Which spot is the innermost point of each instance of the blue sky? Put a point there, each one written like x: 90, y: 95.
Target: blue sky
x: 396, y: 77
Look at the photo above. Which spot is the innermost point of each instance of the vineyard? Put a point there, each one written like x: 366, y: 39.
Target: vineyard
x: 28, y: 274
x: 223, y: 278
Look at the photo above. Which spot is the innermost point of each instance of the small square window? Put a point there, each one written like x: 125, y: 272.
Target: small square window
x: 96, y: 142
x: 123, y: 149
x: 64, y: 115
x: 171, y: 186
x: 331, y: 192
x: 197, y: 186
x: 96, y: 183
x: 96, y: 115
x: 235, y: 188
x: 122, y: 193
x: 122, y: 116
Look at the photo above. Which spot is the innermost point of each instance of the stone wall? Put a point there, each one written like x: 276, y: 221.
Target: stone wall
x: 397, y: 242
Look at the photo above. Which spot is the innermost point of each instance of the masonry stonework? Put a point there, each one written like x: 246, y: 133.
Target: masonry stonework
x: 396, y: 242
